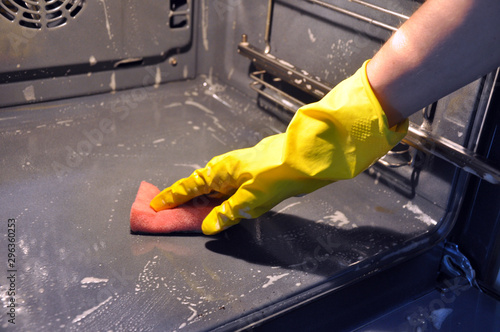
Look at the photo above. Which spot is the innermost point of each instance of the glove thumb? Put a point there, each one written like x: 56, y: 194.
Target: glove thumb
x: 225, y: 215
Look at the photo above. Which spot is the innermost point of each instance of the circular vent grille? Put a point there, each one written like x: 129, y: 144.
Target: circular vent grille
x: 38, y: 14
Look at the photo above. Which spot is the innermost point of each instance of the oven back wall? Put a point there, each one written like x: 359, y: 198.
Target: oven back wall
x: 325, y: 43
x: 92, y: 46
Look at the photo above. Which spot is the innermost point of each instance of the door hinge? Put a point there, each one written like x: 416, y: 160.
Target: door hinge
x: 455, y: 264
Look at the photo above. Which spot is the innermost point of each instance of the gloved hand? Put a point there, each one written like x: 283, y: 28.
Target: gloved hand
x: 330, y: 140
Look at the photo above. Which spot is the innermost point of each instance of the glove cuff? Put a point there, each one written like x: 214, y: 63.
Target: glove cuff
x: 399, y: 130
x: 341, y: 135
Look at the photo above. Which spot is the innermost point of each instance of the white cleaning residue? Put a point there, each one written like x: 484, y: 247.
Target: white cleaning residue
x: 112, y: 82
x: 193, y: 166
x: 91, y: 310
x: 194, y: 315
x: 157, y: 77
x: 218, y: 139
x: 311, y: 36
x: 160, y: 140
x: 272, y: 279
x: 199, y: 106
x: 337, y: 217
x: 172, y: 105
x: 29, y: 93
x: 204, y: 24
x: 108, y: 26
x: 92, y: 280
x: 286, y: 208
x: 64, y: 122
x: 419, y: 214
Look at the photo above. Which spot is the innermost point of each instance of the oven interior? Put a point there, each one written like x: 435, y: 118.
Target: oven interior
x: 97, y: 96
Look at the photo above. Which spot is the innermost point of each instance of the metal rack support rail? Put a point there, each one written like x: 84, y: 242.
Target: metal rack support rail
x: 362, y: 17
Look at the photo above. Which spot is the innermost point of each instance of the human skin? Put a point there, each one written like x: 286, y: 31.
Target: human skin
x: 445, y: 45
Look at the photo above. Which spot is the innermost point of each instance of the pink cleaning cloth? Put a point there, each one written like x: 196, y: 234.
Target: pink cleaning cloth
x: 184, y: 218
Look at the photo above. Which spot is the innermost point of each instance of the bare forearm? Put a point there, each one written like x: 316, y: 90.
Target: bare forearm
x: 442, y: 47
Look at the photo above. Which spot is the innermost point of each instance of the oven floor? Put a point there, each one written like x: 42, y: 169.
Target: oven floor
x: 70, y: 172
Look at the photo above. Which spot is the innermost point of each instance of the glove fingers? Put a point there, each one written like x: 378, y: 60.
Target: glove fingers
x: 250, y: 201
x: 244, y: 204
x: 217, y: 221
x: 182, y: 191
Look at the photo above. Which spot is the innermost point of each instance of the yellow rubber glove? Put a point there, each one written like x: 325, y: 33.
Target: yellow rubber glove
x: 333, y: 139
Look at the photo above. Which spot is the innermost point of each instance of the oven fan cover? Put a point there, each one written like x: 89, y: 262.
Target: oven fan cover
x: 40, y: 14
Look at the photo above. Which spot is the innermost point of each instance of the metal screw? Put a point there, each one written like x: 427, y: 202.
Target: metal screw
x: 173, y: 62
